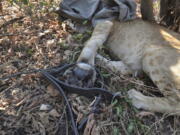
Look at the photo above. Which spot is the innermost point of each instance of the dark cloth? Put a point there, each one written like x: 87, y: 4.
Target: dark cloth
x: 98, y: 10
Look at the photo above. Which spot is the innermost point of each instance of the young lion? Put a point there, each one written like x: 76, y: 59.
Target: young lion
x: 141, y: 46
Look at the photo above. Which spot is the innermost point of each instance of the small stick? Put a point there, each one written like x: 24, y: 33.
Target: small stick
x: 11, y: 22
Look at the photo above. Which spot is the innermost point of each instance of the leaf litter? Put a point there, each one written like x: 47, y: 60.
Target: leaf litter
x: 30, y: 105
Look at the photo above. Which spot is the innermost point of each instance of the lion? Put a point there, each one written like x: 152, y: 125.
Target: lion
x: 141, y: 46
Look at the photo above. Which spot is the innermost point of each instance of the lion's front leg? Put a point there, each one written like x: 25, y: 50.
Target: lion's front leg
x: 118, y: 67
x: 84, y: 71
x: 99, y: 36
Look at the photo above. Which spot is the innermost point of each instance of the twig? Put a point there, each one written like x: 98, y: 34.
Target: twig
x: 123, y: 126
x: 8, y: 63
x: 129, y: 80
x: 17, y: 34
x: 11, y: 22
x: 154, y: 124
x: 20, y: 73
x: 5, y: 90
x: 2, y: 15
x: 110, y: 124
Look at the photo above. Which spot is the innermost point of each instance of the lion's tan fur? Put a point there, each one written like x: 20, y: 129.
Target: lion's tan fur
x: 143, y: 46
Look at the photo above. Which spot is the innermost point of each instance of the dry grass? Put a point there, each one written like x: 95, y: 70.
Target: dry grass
x: 39, y: 40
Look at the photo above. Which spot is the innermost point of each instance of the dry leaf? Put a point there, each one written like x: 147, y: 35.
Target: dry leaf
x: 52, y: 91
x: 44, y: 117
x: 144, y: 114
x: 95, y: 130
x: 54, y: 113
x: 45, y: 107
x: 90, y: 125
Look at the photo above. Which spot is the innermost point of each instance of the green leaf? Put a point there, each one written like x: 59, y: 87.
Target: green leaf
x: 115, y: 131
x: 119, y: 110
x: 26, y: 2
x: 85, y: 22
x: 130, y: 127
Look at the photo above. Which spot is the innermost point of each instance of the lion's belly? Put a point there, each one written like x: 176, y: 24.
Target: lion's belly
x: 131, y: 41
x: 128, y: 43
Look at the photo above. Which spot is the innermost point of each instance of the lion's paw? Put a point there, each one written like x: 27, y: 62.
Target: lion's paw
x: 138, y: 99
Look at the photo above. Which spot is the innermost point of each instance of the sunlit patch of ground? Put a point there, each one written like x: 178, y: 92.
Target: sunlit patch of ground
x: 29, y: 105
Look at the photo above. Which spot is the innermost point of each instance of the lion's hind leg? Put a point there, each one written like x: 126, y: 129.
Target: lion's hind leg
x: 155, y: 104
x: 157, y: 64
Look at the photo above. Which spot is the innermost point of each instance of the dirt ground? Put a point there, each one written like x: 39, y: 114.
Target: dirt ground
x: 32, y: 37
